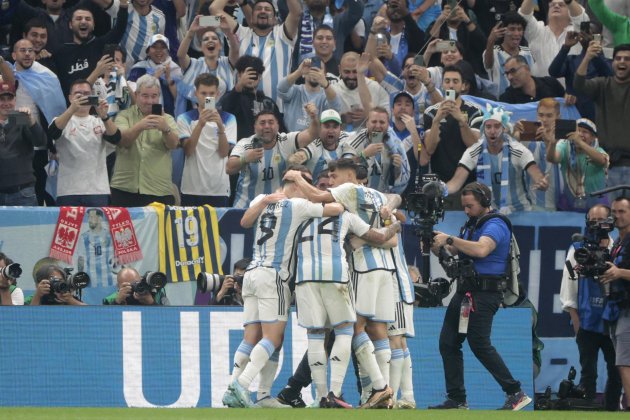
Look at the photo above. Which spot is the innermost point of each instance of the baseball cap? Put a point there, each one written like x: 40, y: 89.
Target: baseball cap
x: 7, y: 88
x: 330, y: 115
x: 406, y: 95
x: 587, y: 124
x: 157, y: 38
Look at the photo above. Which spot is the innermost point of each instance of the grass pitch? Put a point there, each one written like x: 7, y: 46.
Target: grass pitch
x: 281, y: 414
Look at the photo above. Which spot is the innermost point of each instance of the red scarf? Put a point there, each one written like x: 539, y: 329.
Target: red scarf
x: 67, y: 233
x: 126, y: 247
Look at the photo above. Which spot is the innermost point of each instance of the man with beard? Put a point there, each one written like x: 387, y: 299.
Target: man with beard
x: 213, y: 62
x: 610, y: 95
x: 77, y: 59
x: 158, y: 63
x: 317, y: 13
x: 499, y: 161
x: 352, y: 110
x: 450, y: 128
x: 565, y: 65
x: 526, y: 88
x: 460, y: 27
x: 39, y: 91
x: 545, y: 40
x: 36, y: 31
x: 265, y: 38
x: 245, y: 101
x: 316, y: 89
x: 261, y: 159
x: 404, y: 35
x: 325, y: 149
x: 510, y: 30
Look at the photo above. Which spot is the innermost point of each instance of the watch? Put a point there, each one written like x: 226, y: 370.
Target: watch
x: 449, y: 240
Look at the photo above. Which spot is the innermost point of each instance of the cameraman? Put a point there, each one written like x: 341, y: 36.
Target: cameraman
x: 231, y: 290
x: 10, y: 294
x: 616, y: 280
x: 44, y: 294
x: 488, y: 247
x: 584, y: 301
x: 125, y: 295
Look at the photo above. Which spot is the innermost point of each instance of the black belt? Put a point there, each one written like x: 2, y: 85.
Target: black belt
x: 491, y: 283
x: 15, y: 189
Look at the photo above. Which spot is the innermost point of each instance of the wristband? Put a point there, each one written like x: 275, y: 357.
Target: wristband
x: 450, y: 240
x: 106, y: 118
x: 328, y: 85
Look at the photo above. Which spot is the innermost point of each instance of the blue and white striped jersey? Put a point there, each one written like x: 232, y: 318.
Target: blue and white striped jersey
x: 405, y: 284
x: 366, y: 203
x: 275, y: 51
x: 318, y: 156
x: 262, y: 177
x: 186, y: 87
x: 276, y: 230
x: 139, y: 31
x: 320, y: 253
x: 97, y: 251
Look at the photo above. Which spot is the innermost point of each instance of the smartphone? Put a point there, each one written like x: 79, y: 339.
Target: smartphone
x: 209, y: 21
x: 418, y: 60
x: 210, y: 103
x: 355, y: 107
x: 156, y: 109
x: 316, y: 62
x: 93, y: 100
x: 257, y: 143
x: 381, y: 39
x: 452, y: 3
x: 376, y: 137
x: 442, y: 46
x: 597, y: 38
x: 18, y: 118
x: 529, y: 130
x: 585, y: 27
x: 110, y: 50
x: 450, y: 95
x: 564, y: 128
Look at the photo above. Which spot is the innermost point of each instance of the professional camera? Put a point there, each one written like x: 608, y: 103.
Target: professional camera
x: 11, y: 271
x: 592, y: 257
x: 568, y: 389
x: 456, y: 268
x: 151, y: 280
x: 214, y: 282
x: 426, y: 204
x: 76, y: 281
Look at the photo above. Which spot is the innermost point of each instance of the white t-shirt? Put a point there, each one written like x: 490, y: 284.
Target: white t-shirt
x: 82, y: 151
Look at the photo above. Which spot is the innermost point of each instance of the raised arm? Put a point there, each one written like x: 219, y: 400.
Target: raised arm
x: 293, y: 18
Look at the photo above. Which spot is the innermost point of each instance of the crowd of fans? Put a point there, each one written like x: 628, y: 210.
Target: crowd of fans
x: 126, y: 103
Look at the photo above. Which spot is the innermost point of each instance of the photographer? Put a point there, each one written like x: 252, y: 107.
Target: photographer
x: 583, y: 299
x: 485, y: 247
x: 53, y: 288
x: 617, y: 290
x: 231, y: 289
x: 134, y: 289
x: 10, y: 294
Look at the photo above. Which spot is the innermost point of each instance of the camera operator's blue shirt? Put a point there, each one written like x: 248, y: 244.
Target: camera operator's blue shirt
x: 494, y: 263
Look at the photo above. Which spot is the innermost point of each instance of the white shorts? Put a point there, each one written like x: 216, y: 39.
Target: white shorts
x: 266, y: 298
x: 324, y: 304
x: 403, y: 315
x: 374, y: 295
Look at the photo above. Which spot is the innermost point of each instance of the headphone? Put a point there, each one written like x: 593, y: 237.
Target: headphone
x: 483, y: 195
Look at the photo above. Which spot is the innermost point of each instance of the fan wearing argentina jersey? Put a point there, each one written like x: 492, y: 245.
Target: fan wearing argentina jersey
x: 267, y: 39
x: 372, y: 274
x: 262, y: 158
x: 382, y: 153
x: 213, y: 62
x: 326, y: 148
x: 323, y: 296
x: 145, y: 20
x: 500, y: 163
x: 266, y: 294
x: 96, y: 251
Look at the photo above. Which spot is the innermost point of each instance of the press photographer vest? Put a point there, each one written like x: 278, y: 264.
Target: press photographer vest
x: 619, y: 254
x: 590, y: 302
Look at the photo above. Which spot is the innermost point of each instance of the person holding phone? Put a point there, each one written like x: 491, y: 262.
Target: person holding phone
x: 83, y: 142
x: 143, y: 169
x: 504, y: 42
x: 565, y: 65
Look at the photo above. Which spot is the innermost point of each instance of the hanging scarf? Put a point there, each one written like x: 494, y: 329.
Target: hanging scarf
x: 308, y: 27
x: 484, y: 171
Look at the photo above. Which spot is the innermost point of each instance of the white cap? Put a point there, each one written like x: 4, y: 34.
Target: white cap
x: 330, y: 115
x: 157, y: 38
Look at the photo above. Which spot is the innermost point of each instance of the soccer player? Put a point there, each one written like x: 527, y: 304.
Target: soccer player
x: 266, y: 294
x: 96, y: 251
x: 372, y: 274
x: 323, y: 293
